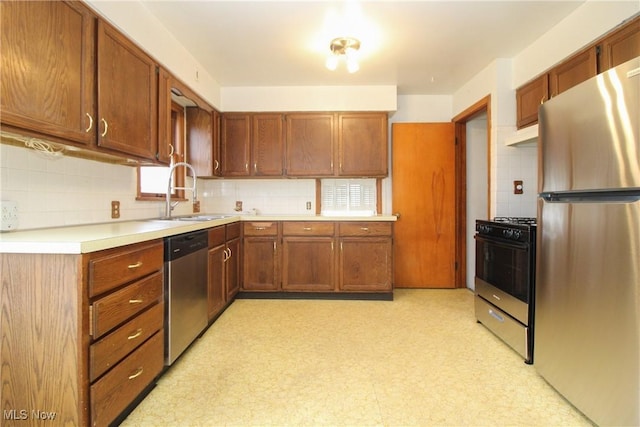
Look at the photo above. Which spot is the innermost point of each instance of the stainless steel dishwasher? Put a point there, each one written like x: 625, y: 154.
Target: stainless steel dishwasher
x: 185, y: 268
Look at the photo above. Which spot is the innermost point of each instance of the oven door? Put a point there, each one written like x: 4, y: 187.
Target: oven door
x: 503, y: 275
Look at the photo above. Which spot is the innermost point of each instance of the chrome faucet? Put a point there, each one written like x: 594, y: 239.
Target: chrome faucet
x: 169, y: 206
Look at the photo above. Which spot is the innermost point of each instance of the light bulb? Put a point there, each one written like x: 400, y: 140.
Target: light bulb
x: 332, y: 62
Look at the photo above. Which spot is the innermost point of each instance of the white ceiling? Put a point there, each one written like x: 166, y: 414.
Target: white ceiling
x: 425, y: 47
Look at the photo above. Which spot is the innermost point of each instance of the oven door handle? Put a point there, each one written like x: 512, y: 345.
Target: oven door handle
x: 502, y: 243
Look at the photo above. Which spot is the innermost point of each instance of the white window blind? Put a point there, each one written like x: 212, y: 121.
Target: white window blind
x: 348, y: 197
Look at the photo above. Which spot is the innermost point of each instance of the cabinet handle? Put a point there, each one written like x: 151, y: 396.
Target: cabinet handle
x: 136, y: 265
x: 255, y: 167
x: 135, y: 301
x: 364, y: 228
x: 90, y: 122
x: 259, y: 228
x: 307, y: 228
x: 137, y: 374
x: 246, y: 167
x: 274, y: 246
x: 171, y: 150
x: 106, y: 127
x: 230, y: 253
x: 135, y: 335
x: 216, y: 164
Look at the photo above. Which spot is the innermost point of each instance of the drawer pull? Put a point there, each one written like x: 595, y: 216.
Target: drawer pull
x: 135, y: 301
x: 136, y: 265
x: 135, y: 335
x: 364, y: 228
x: 137, y: 374
x: 259, y: 228
x: 307, y: 228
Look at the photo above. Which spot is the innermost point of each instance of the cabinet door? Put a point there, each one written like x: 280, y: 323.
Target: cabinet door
x: 217, y: 171
x: 362, y: 144
x: 47, y: 79
x: 127, y: 96
x: 308, y: 264
x: 165, y: 149
x: 621, y: 46
x: 235, y: 142
x: 217, y: 291
x: 232, y: 268
x: 267, y: 143
x: 529, y: 97
x: 366, y: 264
x: 573, y: 71
x: 260, y: 264
x: 200, y: 140
x: 310, y: 144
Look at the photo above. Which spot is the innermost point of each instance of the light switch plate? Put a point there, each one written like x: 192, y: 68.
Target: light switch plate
x: 9, y: 217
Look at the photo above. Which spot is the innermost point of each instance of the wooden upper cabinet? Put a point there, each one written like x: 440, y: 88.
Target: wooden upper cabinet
x: 310, y: 142
x: 235, y: 140
x: 267, y: 145
x: 620, y: 46
x: 216, y: 146
x: 362, y: 144
x: 165, y: 148
x: 200, y: 140
x: 575, y: 70
x: 127, y: 95
x: 45, y: 86
x: 528, y: 100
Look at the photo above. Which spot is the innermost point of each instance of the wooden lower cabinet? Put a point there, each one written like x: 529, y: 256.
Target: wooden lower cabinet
x: 308, y: 264
x: 366, y: 257
x: 224, y: 267
x: 318, y: 256
x: 79, y: 355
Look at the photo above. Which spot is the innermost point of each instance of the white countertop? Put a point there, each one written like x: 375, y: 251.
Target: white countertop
x: 95, y: 237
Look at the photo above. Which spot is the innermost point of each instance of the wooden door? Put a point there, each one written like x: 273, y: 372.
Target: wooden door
x: 47, y: 77
x: 216, y: 293
x: 200, y: 140
x: 310, y: 144
x: 308, y: 263
x: 235, y: 140
x: 573, y: 71
x: 365, y: 264
x: 232, y: 268
x: 423, y: 171
x: 267, y: 144
x: 127, y: 95
x: 362, y: 144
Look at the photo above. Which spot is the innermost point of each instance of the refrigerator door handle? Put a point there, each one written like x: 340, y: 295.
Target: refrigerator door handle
x: 615, y: 196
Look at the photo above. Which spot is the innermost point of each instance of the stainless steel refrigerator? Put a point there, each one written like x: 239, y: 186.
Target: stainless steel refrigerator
x: 587, y: 315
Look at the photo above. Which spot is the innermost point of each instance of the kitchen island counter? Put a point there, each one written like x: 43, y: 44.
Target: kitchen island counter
x: 95, y: 237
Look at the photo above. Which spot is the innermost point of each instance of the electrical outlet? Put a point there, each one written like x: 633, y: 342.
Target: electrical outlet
x: 517, y: 187
x: 196, y: 206
x: 115, y: 209
x: 9, y: 218
x: 239, y: 206
x: 308, y: 206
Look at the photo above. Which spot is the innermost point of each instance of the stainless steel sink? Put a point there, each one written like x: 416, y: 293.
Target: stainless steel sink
x: 193, y: 218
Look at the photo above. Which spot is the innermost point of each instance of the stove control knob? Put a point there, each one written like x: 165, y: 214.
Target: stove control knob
x: 507, y: 233
x: 517, y: 234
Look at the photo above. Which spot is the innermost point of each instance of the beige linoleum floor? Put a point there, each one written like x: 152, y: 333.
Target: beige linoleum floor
x: 420, y: 360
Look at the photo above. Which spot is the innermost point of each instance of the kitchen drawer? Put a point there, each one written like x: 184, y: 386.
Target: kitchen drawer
x: 217, y: 236
x: 365, y: 229
x: 307, y: 228
x: 115, y: 308
x: 504, y: 326
x: 233, y: 231
x: 117, y: 389
x: 117, y: 267
x: 114, y: 347
x: 261, y: 228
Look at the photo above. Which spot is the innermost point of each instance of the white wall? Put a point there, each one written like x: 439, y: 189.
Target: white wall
x: 305, y: 98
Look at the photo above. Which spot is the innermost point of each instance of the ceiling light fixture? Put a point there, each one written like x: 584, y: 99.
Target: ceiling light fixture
x: 346, y: 47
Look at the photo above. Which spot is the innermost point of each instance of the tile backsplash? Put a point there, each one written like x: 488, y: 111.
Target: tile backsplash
x: 69, y: 191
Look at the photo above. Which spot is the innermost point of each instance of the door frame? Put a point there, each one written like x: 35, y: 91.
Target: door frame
x: 460, y: 129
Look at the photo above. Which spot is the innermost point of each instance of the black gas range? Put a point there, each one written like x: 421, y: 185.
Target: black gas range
x: 505, y: 280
